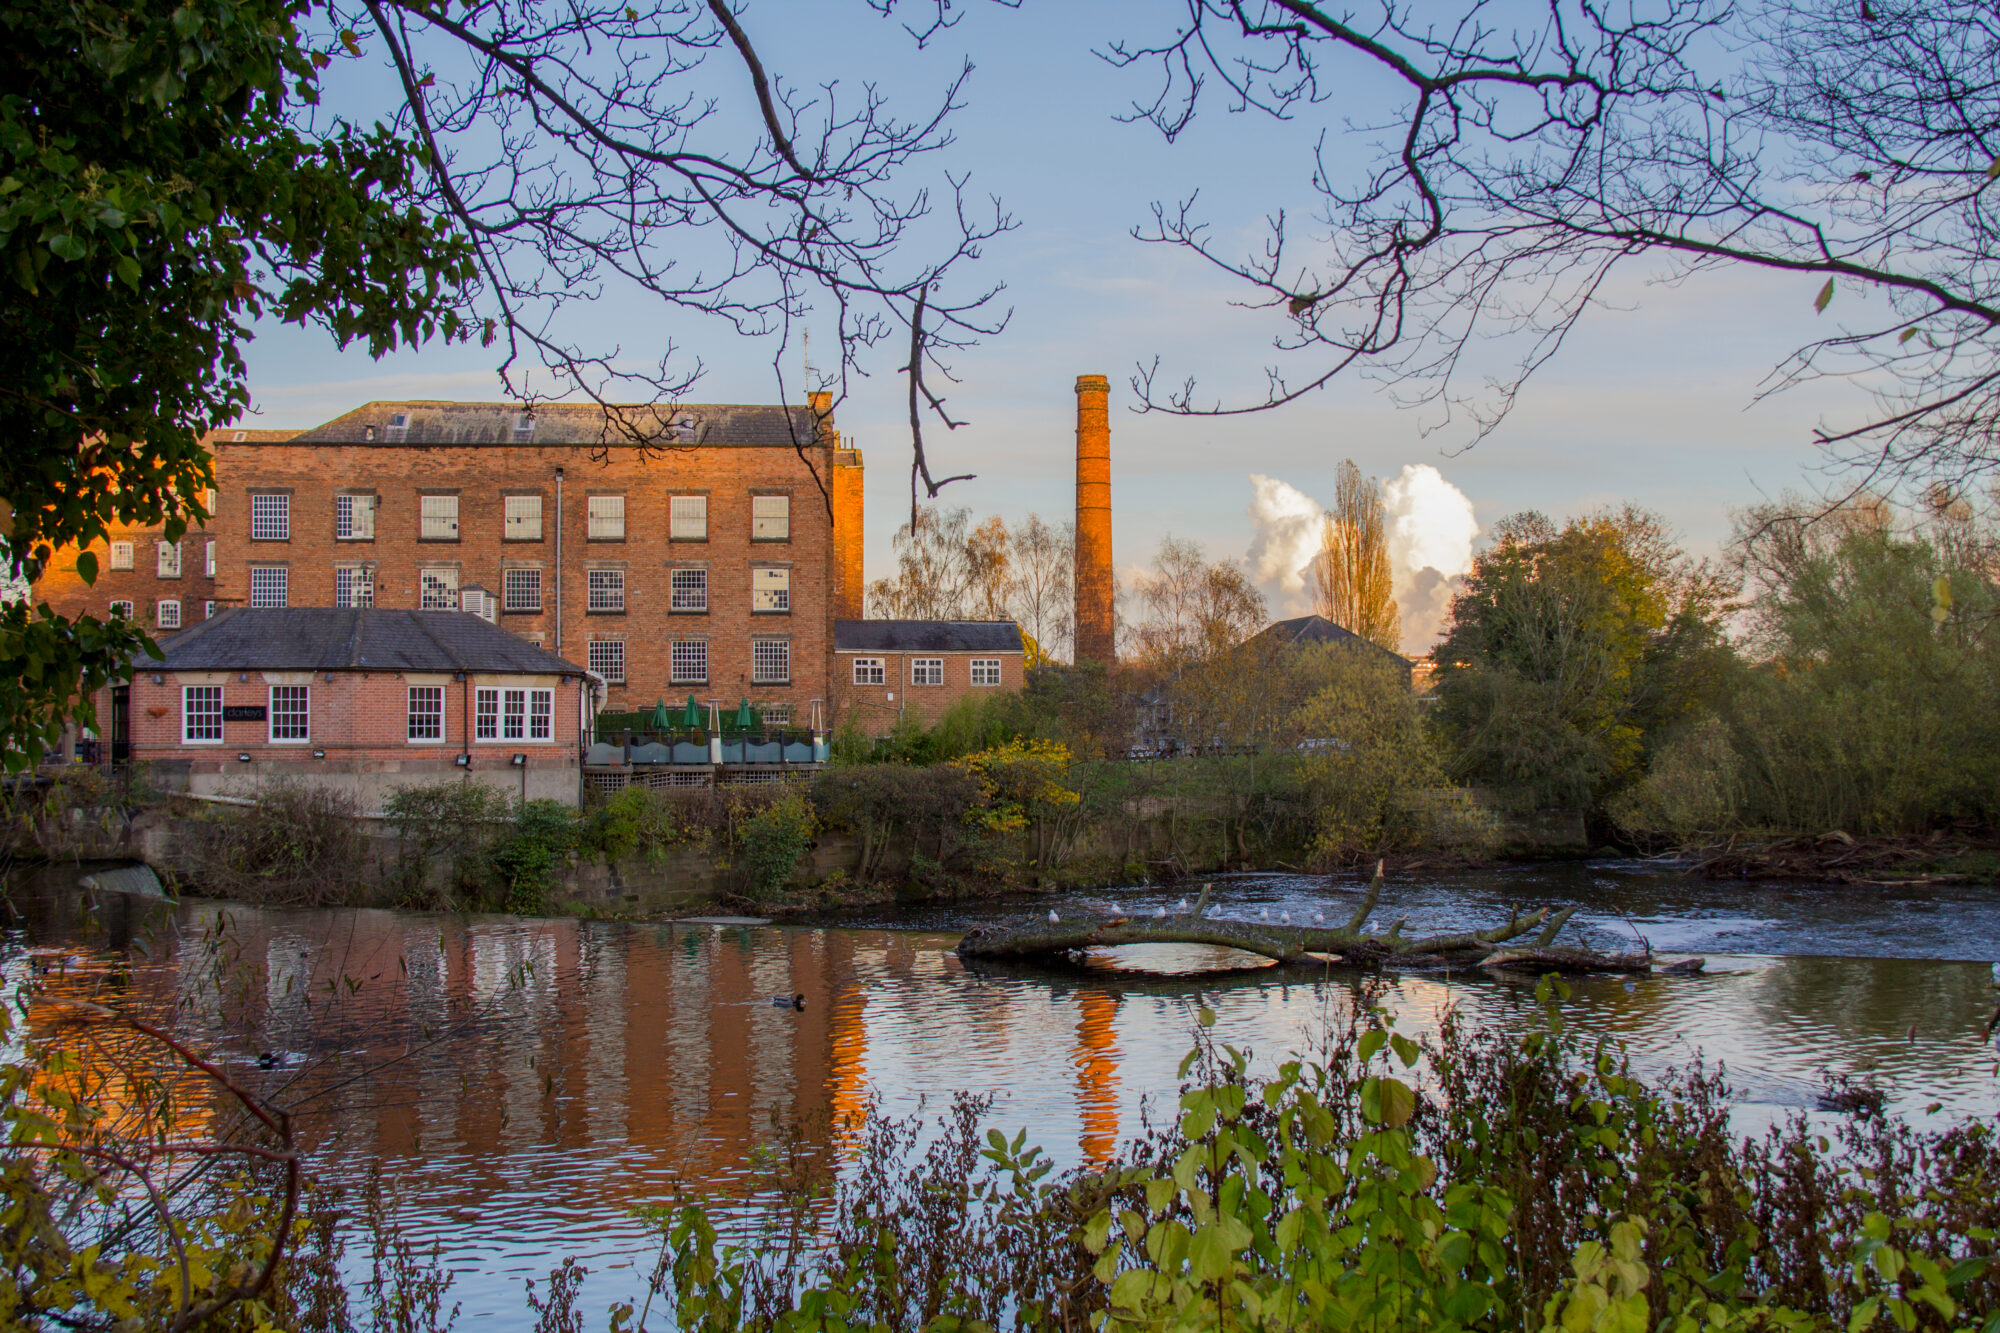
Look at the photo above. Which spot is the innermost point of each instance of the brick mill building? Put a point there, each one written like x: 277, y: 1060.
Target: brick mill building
x: 711, y: 559
x: 886, y: 670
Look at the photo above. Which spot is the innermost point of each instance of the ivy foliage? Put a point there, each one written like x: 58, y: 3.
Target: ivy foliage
x: 167, y: 175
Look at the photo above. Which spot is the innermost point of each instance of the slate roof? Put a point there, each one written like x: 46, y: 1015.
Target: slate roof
x: 1317, y: 629
x: 302, y: 638
x: 658, y: 425
x: 244, y: 435
x: 926, y: 636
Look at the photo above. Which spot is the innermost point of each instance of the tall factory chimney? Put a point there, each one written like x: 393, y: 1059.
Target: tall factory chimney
x: 1094, y: 618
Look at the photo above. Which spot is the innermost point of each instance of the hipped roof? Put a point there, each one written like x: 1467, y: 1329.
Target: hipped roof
x: 342, y: 639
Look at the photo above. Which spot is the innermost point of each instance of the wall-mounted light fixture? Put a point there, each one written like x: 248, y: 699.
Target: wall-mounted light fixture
x: 458, y: 675
x: 319, y: 754
x: 520, y: 761
x: 243, y: 758
x: 242, y: 677
x: 329, y: 678
x: 462, y: 760
x: 158, y: 679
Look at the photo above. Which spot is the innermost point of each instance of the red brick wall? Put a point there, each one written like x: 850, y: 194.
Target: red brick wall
x: 482, y: 474
x: 876, y: 708
x: 64, y: 589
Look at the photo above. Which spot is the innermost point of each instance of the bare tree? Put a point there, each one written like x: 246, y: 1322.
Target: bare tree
x: 1853, y: 143
x: 1043, y: 561
x: 946, y: 569
x: 595, y: 151
x: 1193, y: 610
x: 1352, y: 585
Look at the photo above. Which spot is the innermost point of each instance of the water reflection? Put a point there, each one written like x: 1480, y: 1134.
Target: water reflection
x: 527, y: 1083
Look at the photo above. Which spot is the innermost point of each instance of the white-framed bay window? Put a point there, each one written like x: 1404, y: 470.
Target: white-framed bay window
x: 510, y: 713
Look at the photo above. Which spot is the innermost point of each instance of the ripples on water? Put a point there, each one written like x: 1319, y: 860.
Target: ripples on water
x: 527, y: 1083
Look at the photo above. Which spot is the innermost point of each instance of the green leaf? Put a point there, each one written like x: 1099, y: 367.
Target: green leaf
x: 86, y: 567
x: 1993, y: 169
x: 1824, y: 299
x: 65, y: 246
x: 1907, y: 334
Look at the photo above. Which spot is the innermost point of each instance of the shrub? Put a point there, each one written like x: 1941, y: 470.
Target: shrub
x: 451, y: 825
x: 773, y: 839
x: 638, y: 820
x: 891, y: 805
x: 530, y: 858
x: 299, y: 845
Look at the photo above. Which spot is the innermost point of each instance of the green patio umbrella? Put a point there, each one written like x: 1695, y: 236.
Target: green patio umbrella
x: 745, y: 719
x: 661, y: 718
x: 692, y: 717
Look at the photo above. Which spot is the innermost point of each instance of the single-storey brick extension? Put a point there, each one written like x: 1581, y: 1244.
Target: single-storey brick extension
x: 365, y: 700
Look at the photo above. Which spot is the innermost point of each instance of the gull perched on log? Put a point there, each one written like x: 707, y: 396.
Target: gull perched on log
x: 1053, y: 918
x: 1181, y: 907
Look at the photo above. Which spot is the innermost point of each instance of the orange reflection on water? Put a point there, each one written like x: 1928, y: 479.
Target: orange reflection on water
x: 1096, y: 1061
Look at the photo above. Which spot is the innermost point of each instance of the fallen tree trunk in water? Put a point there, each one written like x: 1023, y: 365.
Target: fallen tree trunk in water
x: 1307, y: 945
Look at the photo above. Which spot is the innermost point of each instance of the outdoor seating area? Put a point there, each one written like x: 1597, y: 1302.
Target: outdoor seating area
x: 698, y: 745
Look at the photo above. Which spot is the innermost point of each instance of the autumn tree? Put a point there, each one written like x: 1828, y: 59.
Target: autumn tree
x: 1352, y: 585
x: 1573, y: 651
x: 400, y: 172
x: 1191, y: 609
x: 947, y: 568
x: 1042, y: 560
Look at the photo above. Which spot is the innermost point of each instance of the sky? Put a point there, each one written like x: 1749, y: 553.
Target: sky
x: 1651, y: 401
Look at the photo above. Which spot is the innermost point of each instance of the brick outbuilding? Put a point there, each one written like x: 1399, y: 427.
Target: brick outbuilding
x: 885, y: 670
x: 365, y: 700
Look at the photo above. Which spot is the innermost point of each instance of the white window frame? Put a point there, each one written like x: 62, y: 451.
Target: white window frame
x: 168, y: 558
x: 770, y: 518
x: 120, y: 555
x: 167, y: 613
x: 689, y: 588
x: 927, y: 671
x: 871, y: 671
x: 607, y: 658
x: 121, y: 607
x: 775, y: 715
x: 760, y: 656
x: 986, y: 666
x: 678, y: 674
x: 513, y: 715
x: 360, y: 586
x: 207, y: 694
x: 354, y: 518
x: 208, y: 559
x: 521, y: 589
x: 606, y: 518
x: 770, y: 589
x: 521, y: 518
x: 687, y: 518
x: 270, y: 516
x: 431, y: 715
x: 302, y: 695
x: 437, y: 518
x: 446, y: 579
x: 208, y: 610
x: 605, y: 589
x: 279, y: 574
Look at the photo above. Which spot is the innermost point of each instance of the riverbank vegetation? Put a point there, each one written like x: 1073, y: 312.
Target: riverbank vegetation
x: 1473, y: 1179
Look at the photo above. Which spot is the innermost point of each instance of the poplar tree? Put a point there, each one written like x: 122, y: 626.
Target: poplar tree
x: 1352, y: 585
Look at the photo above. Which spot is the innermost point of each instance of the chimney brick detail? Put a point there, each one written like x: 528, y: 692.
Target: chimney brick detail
x: 1094, y: 580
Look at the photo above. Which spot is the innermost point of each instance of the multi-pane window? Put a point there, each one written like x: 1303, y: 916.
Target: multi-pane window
x: 121, y: 555
x: 523, y: 589
x: 170, y: 560
x: 985, y: 671
x: 208, y: 610
x: 607, y: 589
x: 513, y: 715
x: 690, y: 588
x: 688, y: 518
x: 437, y: 517
x: 688, y: 662
x: 776, y: 715
x: 522, y: 521
x: 270, y: 586
x: 437, y: 590
x: 353, y: 585
x: 167, y: 613
x: 291, y: 712
x: 868, y: 671
x: 121, y: 607
x: 208, y: 559
x: 426, y: 713
x: 607, y: 518
x: 270, y: 518
x: 201, y: 715
x: 927, y: 671
x: 607, y: 658
x: 770, y: 589
x: 770, y: 518
x: 354, y: 517
x: 771, y: 661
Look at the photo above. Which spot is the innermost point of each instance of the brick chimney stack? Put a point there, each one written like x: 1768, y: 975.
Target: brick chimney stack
x: 1094, y: 582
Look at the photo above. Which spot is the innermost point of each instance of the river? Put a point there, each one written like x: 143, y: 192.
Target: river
x: 527, y: 1083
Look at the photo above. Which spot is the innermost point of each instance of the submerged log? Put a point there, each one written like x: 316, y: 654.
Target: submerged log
x: 1306, y: 945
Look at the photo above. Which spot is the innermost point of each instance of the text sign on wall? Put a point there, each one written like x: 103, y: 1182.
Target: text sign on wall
x: 243, y: 712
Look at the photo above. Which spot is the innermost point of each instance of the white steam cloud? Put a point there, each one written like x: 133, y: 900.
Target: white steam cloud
x: 1431, y: 532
